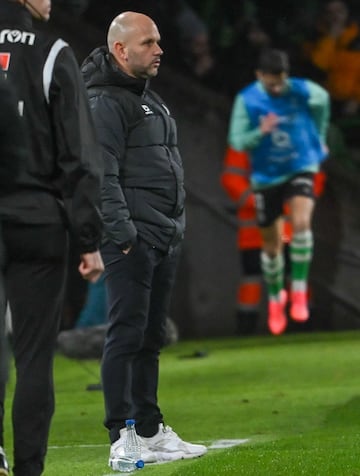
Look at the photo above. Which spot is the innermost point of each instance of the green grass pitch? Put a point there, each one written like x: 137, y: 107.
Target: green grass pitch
x: 295, y: 399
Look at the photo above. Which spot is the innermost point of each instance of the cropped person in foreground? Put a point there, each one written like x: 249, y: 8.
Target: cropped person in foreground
x: 56, y: 191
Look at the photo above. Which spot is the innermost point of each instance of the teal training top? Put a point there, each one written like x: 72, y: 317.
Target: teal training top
x: 296, y: 145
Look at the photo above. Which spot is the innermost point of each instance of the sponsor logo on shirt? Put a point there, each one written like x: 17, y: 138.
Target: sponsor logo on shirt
x: 17, y: 36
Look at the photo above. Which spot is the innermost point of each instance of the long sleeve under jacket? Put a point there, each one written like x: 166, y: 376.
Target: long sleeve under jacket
x: 143, y: 192
x: 61, y: 179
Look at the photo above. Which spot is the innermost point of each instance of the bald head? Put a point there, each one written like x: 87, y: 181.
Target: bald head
x: 126, y: 25
x: 133, y: 40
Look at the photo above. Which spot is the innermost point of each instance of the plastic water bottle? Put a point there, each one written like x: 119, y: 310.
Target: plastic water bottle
x: 132, y: 447
x: 126, y: 465
x: 132, y: 451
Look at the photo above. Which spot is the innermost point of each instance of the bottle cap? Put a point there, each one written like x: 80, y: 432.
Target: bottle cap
x: 130, y: 421
x: 140, y: 464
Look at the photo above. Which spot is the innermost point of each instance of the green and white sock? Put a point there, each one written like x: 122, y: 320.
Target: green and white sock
x: 273, y: 271
x: 301, y: 252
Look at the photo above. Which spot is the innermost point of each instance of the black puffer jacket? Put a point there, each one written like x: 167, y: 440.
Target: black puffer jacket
x: 143, y: 191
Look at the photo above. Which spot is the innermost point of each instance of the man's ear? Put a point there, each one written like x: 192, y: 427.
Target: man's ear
x: 120, y: 51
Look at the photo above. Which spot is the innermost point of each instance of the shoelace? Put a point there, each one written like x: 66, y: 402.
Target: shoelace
x: 168, y: 430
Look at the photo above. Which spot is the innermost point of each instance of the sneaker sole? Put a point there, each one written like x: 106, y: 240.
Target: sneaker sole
x: 176, y: 455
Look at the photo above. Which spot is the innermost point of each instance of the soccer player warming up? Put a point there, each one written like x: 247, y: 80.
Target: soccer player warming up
x: 281, y: 122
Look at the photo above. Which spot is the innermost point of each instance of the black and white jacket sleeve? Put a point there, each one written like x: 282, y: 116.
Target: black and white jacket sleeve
x: 78, y: 152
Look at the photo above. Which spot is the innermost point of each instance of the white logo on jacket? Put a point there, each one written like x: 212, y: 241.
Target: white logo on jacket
x: 17, y: 36
x: 146, y: 109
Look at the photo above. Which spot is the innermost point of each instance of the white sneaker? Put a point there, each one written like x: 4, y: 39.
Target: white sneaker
x: 4, y: 467
x: 117, y: 450
x: 168, y: 446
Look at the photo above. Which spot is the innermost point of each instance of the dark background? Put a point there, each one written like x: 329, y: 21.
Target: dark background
x: 204, y: 300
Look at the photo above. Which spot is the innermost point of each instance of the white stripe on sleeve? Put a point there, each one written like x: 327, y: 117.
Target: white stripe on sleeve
x: 49, y: 66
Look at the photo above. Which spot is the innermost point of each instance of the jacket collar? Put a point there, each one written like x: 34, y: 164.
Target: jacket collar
x: 100, y: 69
x: 137, y: 85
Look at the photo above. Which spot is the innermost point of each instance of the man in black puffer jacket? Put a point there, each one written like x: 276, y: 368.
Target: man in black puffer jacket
x: 143, y: 213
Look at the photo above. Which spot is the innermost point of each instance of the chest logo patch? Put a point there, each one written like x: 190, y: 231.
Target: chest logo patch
x: 146, y: 109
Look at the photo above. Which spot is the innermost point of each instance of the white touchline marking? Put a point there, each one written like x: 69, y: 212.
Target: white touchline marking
x: 66, y: 447
x: 217, y: 444
x: 227, y: 443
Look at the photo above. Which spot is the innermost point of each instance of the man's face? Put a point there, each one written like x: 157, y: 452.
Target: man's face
x: 142, y: 51
x: 274, y: 84
x: 39, y: 9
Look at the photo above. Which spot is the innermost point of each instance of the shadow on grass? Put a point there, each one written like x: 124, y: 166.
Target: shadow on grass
x: 345, y: 415
x: 202, y: 347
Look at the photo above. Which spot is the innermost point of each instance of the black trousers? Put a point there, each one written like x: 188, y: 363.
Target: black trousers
x: 139, y: 287
x: 35, y: 273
